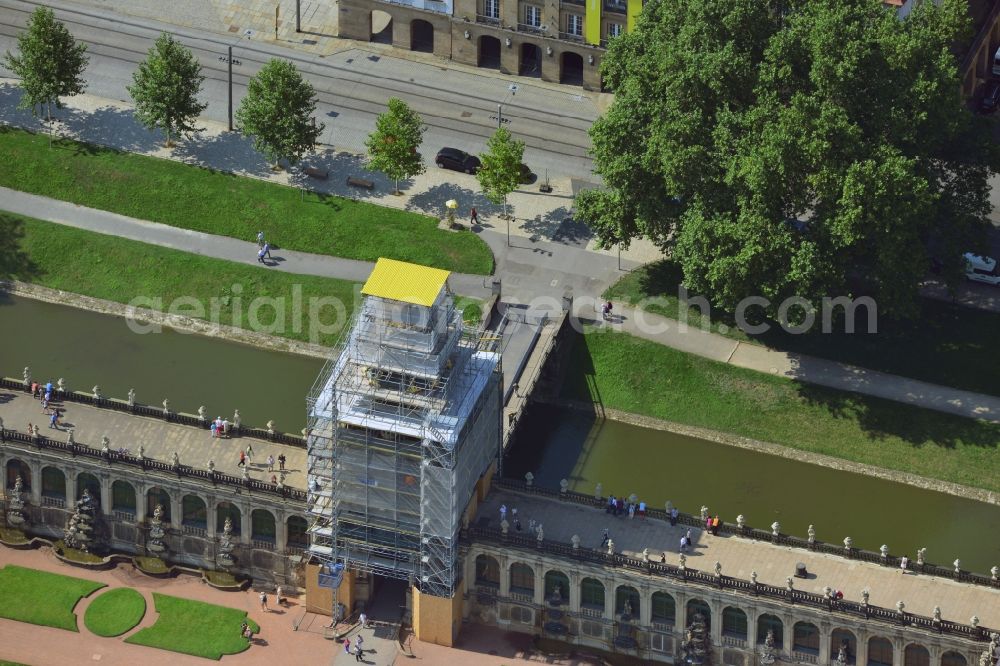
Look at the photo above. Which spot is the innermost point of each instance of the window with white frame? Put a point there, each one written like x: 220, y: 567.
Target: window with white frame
x: 532, y: 16
x: 492, y: 8
x: 614, y: 29
x: 574, y: 24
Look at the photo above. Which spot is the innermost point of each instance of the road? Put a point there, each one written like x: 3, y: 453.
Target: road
x: 352, y: 87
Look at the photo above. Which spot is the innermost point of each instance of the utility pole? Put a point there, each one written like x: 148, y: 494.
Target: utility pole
x: 230, y: 88
x: 499, y: 116
x: 298, y: 15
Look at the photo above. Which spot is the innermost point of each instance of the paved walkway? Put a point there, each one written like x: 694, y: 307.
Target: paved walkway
x: 739, y: 557
x: 194, y: 446
x: 546, y: 256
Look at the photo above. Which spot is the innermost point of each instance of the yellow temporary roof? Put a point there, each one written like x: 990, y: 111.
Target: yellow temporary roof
x: 406, y: 282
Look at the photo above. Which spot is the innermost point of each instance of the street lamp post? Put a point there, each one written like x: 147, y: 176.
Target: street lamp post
x: 512, y: 90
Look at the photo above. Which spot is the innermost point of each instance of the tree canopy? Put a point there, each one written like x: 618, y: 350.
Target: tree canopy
x: 49, y: 63
x: 392, y: 147
x: 792, y: 147
x: 500, y: 172
x: 166, y: 88
x: 277, y: 112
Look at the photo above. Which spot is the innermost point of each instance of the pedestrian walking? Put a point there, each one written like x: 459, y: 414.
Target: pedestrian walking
x: 278, y: 597
x: 503, y: 512
x: 260, y: 240
x: 689, y: 536
x: 260, y: 255
x: 347, y: 646
x: 607, y: 536
x: 684, y: 544
x: 904, y: 562
x: 673, y: 516
x: 267, y: 250
x: 642, y: 509
x: 214, y: 430
x: 363, y: 618
x: 631, y: 510
x: 250, y: 453
x: 270, y: 463
x: 358, y: 653
x: 274, y: 480
x: 34, y: 390
x: 474, y: 216
x: 359, y: 640
x: 54, y: 418
x: 263, y: 601
x: 243, y: 459
x: 45, y: 406
x: 281, y: 462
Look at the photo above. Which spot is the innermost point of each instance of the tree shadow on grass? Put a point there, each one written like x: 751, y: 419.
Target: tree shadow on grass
x: 15, y: 263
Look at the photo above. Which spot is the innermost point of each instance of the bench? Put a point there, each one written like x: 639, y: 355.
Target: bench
x: 315, y: 172
x: 361, y: 182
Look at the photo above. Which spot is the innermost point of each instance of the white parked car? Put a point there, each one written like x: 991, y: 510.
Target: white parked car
x: 981, y: 269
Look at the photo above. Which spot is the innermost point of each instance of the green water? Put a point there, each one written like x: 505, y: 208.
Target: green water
x: 87, y: 348
x: 658, y: 466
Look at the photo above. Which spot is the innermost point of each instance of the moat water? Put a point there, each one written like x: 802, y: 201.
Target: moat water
x: 191, y: 370
x: 87, y: 348
x: 555, y: 443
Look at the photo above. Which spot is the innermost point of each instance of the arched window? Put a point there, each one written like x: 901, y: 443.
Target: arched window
x: 697, y: 606
x: 17, y: 468
x: 194, y: 512
x: 89, y: 482
x: 879, y: 651
x: 805, y: 638
x: 772, y: 623
x: 53, y: 483
x: 843, y: 639
x: 123, y: 497
x: 556, y: 580
x: 158, y: 496
x: 298, y: 535
x: 487, y: 571
x: 592, y: 594
x: 917, y: 655
x: 522, y: 579
x: 734, y: 623
x: 262, y: 526
x: 627, y: 594
x: 225, y: 510
x: 664, y: 609
x: 952, y: 658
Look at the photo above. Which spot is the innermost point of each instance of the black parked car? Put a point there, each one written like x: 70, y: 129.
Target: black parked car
x: 457, y: 160
x: 991, y: 97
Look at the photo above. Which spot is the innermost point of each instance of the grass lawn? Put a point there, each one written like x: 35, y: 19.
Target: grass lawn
x: 120, y: 270
x: 194, y: 627
x: 634, y: 375
x: 947, y: 344
x: 115, y: 612
x: 205, y: 200
x: 39, y: 597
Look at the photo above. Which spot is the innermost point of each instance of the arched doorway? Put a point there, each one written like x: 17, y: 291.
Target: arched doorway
x: 592, y: 594
x: 772, y: 623
x: 123, y: 497
x: 381, y: 27
x: 531, y: 60
x: 522, y: 579
x: 53, y: 483
x: 262, y: 526
x: 158, y: 496
x: 805, y: 638
x: 571, y: 68
x: 421, y: 36
x: 228, y: 510
x: 697, y: 606
x: 194, y: 512
x: 879, y: 651
x: 487, y: 571
x: 16, y: 468
x: 89, y: 482
x: 298, y: 536
x: 488, y: 54
x: 843, y: 639
x: 917, y: 655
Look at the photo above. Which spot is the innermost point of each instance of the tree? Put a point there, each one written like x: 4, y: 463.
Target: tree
x: 500, y: 173
x: 50, y: 64
x: 277, y: 112
x: 792, y: 147
x: 166, y: 88
x: 392, y: 147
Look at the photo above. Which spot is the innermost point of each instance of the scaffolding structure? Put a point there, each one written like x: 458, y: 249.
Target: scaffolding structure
x: 402, y: 423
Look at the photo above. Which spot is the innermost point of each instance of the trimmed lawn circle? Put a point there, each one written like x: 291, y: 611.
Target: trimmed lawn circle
x: 39, y: 597
x: 194, y: 627
x: 115, y: 612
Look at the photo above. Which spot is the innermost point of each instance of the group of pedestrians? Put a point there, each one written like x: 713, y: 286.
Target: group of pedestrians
x: 514, y: 519
x: 618, y: 506
x: 43, y: 393
x: 358, y: 649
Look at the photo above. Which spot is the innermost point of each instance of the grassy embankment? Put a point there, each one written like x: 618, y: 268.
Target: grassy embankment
x: 947, y: 344
x: 634, y: 375
x: 214, y: 202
